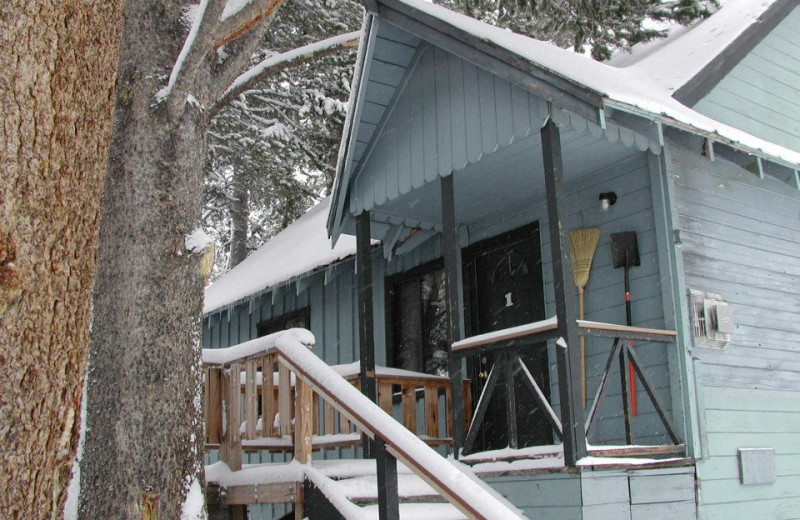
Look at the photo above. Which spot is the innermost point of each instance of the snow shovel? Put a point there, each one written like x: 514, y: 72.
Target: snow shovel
x: 625, y: 254
x: 583, y: 244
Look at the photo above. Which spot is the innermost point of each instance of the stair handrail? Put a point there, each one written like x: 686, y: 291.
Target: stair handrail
x: 293, y: 352
x: 456, y: 487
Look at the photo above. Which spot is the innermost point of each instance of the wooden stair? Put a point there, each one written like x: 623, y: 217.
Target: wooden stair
x: 418, y: 501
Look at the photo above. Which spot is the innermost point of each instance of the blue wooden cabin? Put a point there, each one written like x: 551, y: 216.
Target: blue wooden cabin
x: 469, y: 155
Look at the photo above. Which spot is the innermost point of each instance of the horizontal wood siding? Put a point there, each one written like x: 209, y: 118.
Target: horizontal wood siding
x: 656, y: 494
x: 761, y: 95
x: 549, y: 496
x: 740, y: 238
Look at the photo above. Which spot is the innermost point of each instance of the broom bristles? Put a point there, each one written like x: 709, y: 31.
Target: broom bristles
x: 583, y: 244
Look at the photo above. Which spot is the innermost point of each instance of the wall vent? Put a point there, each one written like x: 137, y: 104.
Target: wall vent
x: 712, y: 319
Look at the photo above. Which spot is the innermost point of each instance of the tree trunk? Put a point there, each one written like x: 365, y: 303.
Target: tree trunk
x: 240, y: 217
x: 56, y: 109
x: 144, y: 442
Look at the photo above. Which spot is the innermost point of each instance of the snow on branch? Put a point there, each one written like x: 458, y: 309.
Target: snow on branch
x: 199, y: 17
x: 285, y: 59
x: 239, y: 16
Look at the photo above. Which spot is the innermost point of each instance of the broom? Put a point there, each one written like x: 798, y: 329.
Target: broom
x: 583, y: 244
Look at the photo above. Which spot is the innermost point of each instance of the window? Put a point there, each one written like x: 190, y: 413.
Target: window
x: 299, y: 318
x: 419, y: 334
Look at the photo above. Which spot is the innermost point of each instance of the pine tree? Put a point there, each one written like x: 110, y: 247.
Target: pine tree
x: 597, y: 27
x: 273, y: 147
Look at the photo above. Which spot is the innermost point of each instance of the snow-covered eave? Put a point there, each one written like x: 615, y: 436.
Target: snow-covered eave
x: 278, y: 285
x: 687, y: 120
x: 261, y: 290
x: 340, y: 181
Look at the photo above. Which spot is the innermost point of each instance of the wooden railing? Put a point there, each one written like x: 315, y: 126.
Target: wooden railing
x: 311, y: 379
x: 265, y: 408
x: 508, y: 343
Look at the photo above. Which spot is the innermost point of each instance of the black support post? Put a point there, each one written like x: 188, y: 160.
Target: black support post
x: 453, y: 290
x: 568, y: 358
x: 366, y: 323
x: 388, y: 498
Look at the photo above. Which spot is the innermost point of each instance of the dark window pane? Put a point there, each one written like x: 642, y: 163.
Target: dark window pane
x: 420, y: 323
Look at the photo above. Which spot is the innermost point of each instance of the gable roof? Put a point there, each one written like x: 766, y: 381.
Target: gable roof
x: 571, y: 81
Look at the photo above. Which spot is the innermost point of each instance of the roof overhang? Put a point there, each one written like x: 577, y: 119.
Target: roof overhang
x: 571, y: 88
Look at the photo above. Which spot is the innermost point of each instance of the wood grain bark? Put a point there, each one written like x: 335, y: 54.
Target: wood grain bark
x: 58, y: 63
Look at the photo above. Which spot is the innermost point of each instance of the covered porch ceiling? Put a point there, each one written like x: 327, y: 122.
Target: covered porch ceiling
x: 511, y: 177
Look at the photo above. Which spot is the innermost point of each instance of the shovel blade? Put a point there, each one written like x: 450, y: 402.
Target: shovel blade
x: 624, y: 249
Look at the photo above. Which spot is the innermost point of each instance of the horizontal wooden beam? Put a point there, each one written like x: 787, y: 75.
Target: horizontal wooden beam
x: 273, y: 493
x: 612, y: 330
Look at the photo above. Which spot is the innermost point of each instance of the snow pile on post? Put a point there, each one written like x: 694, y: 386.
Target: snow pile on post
x: 224, y: 356
x: 475, y: 501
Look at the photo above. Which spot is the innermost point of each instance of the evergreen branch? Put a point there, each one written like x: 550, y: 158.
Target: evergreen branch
x: 283, y: 60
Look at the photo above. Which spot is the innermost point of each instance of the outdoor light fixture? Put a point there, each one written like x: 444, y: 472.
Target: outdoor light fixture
x: 607, y: 200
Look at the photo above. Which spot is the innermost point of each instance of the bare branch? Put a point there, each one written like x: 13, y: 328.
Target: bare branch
x: 237, y: 24
x: 238, y: 55
x: 281, y: 61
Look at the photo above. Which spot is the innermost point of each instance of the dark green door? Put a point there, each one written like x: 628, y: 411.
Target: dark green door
x: 507, y: 290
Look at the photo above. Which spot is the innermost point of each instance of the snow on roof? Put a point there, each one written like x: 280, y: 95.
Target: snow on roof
x: 645, y: 88
x: 301, y: 247
x: 689, y: 49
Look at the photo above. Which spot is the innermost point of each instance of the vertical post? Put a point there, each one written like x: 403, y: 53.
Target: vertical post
x: 453, y: 288
x: 366, y: 324
x: 511, y: 400
x: 388, y: 500
x: 626, y: 399
x: 303, y: 417
x: 568, y: 358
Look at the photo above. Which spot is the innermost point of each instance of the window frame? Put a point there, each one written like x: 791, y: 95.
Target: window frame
x: 262, y: 327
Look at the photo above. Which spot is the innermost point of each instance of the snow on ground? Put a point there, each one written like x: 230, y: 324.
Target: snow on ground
x: 192, y: 508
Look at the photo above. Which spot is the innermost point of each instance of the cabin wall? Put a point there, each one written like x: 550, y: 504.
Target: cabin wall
x: 740, y: 238
x: 761, y: 94
x: 333, y: 305
x: 633, y: 494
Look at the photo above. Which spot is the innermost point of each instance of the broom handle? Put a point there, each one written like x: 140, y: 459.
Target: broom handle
x: 583, y: 348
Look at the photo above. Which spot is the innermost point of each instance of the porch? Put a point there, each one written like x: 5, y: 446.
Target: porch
x: 308, y: 413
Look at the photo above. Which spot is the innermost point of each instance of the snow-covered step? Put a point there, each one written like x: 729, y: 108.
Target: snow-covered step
x: 420, y: 511
x: 410, y: 488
